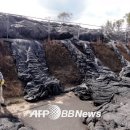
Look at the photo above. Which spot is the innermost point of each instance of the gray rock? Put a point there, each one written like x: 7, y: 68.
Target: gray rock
x: 115, y: 116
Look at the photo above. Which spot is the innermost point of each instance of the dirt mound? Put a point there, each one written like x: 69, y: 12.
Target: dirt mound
x: 107, y: 56
x: 124, y: 51
x: 61, y: 64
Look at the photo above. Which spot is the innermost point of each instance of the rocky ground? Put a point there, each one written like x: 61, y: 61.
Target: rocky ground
x: 66, y: 101
x: 115, y: 116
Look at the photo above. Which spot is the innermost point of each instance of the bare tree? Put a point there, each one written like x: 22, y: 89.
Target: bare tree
x: 127, y: 16
x: 109, y: 27
x: 65, y: 16
x: 118, y: 24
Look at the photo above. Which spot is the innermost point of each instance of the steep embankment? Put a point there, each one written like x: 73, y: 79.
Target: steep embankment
x: 61, y: 65
x: 13, y: 86
x: 107, y: 56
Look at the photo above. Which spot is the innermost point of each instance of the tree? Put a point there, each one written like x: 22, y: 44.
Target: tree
x: 65, y: 16
x: 109, y: 27
x: 118, y: 24
x: 127, y: 16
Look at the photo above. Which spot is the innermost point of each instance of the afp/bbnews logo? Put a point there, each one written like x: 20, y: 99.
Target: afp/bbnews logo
x: 54, y: 112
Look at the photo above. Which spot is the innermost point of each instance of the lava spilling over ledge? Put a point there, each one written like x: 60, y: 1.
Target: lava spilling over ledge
x: 103, y: 66
x: 33, y: 71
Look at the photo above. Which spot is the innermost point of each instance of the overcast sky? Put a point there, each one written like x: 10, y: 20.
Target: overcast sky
x: 85, y: 11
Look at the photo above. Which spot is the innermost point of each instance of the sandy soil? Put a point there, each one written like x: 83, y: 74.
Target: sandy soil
x: 69, y: 101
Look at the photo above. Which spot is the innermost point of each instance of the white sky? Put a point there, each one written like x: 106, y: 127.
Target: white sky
x: 95, y: 12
